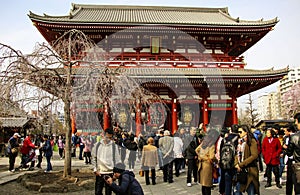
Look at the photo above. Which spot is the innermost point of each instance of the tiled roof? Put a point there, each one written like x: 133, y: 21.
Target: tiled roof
x: 9, y: 108
x: 156, y: 15
x: 192, y: 72
x: 13, y: 122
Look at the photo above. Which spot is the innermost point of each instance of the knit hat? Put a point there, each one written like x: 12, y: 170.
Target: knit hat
x: 119, y: 168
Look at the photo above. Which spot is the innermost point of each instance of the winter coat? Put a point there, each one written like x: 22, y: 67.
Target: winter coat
x: 130, y: 145
x: 12, y: 143
x: 149, y: 156
x: 27, y: 146
x: 250, y: 162
x: 128, y: 185
x: 87, y: 145
x: 206, y: 158
x: 166, y: 145
x: 191, y: 143
x: 178, y: 147
x: 271, y: 151
x: 47, y: 149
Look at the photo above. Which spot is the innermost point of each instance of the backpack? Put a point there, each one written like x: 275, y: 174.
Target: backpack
x: 227, y: 154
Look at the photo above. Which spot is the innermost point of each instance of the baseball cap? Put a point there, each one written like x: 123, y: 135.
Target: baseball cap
x: 17, y: 134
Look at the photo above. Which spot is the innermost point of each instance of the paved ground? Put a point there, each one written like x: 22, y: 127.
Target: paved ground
x: 161, y: 188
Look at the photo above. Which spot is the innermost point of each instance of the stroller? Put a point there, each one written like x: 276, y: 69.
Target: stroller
x: 31, y: 157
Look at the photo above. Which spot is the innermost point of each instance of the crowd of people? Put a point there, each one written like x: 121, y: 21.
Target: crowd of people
x: 231, y: 151
x: 204, y: 150
x: 31, y: 149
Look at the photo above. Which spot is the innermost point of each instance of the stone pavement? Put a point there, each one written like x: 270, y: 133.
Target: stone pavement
x: 161, y: 188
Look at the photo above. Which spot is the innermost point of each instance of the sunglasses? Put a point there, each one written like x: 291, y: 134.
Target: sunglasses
x: 240, y: 132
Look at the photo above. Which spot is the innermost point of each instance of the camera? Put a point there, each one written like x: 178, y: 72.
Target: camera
x: 106, y: 177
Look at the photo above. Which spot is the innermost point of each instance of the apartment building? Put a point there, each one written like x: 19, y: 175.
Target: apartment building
x: 269, y: 106
x: 289, y: 80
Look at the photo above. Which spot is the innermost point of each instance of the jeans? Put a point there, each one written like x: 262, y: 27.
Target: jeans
x: 225, y: 185
x: 131, y: 159
x: 281, y: 166
x: 237, y: 189
x: 81, y: 147
x: 251, y: 189
x: 49, y: 166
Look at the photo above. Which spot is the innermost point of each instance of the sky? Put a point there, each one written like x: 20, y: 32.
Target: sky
x: 278, y: 49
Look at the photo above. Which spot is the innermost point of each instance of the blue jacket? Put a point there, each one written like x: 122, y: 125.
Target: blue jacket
x: 47, y: 148
x: 128, y: 185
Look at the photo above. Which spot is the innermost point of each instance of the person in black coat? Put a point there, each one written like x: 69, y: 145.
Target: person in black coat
x: 128, y: 185
x: 191, y: 142
x: 132, y: 146
x: 13, y: 143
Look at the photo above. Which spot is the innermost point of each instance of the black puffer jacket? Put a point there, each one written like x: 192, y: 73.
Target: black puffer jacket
x: 128, y: 185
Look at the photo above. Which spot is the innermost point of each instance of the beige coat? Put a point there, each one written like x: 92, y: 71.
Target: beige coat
x: 206, y: 158
x: 149, y: 156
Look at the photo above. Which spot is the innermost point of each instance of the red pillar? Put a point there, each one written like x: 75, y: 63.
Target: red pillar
x: 138, y: 120
x: 234, y: 111
x: 174, y: 116
x: 204, y: 112
x: 105, y: 117
x: 73, y: 122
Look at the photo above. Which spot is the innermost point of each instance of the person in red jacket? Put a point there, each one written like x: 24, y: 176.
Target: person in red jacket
x: 25, y: 149
x: 271, y: 150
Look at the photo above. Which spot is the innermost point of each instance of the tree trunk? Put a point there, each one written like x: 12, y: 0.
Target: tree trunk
x: 67, y: 166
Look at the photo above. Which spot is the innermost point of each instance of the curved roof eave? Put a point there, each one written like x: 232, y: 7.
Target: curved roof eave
x: 88, y: 16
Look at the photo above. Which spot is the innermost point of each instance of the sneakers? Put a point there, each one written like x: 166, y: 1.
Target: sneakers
x: 282, y: 181
x: 12, y: 171
x: 188, y: 184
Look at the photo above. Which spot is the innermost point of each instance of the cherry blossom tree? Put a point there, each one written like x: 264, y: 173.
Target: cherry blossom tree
x: 291, y: 101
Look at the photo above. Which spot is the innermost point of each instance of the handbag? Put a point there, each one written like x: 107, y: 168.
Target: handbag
x: 296, y: 171
x: 141, y: 173
x: 215, y: 172
x: 14, y: 150
x: 242, y: 176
